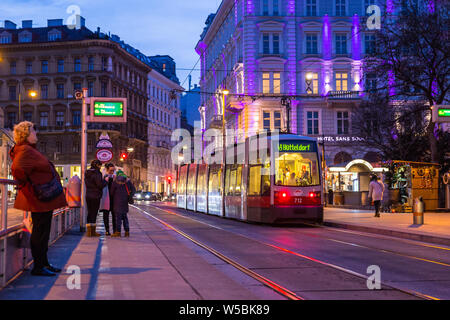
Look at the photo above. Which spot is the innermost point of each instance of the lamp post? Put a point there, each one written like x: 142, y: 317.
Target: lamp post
x: 225, y: 92
x: 31, y: 93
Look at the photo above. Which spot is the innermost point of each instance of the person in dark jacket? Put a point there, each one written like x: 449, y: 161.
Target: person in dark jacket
x: 94, y: 190
x: 107, y: 200
x: 122, y: 189
x: 30, y: 167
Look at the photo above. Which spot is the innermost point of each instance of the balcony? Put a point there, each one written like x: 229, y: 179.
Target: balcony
x: 343, y: 95
x: 163, y: 145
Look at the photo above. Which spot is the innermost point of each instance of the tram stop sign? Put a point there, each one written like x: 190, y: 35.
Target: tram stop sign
x: 111, y: 110
x: 441, y: 113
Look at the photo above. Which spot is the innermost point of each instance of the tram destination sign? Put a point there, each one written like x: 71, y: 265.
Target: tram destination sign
x: 297, y: 146
x: 108, y: 110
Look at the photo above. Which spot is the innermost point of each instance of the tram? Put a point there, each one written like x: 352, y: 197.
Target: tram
x: 273, y: 180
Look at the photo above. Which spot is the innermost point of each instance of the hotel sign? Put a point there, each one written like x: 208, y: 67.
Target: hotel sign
x: 339, y: 138
x: 111, y: 110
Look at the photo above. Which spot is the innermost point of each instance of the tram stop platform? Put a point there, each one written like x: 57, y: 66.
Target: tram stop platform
x: 436, y: 227
x: 154, y: 263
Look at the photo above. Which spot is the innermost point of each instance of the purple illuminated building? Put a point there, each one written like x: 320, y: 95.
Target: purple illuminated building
x: 309, y: 51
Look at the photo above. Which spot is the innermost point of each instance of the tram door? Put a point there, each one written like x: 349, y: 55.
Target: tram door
x: 202, y: 188
x: 181, y: 194
x: 191, y: 190
x: 215, y: 190
x: 233, y: 191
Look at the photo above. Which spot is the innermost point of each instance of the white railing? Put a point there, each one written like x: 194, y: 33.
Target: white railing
x: 13, y: 258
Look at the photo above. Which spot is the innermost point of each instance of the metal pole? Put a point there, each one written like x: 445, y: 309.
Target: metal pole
x: 223, y: 154
x: 4, y: 207
x: 447, y: 196
x: 83, y: 160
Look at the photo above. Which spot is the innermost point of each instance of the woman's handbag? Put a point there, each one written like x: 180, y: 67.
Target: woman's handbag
x: 130, y: 196
x: 25, y: 235
x: 48, y: 191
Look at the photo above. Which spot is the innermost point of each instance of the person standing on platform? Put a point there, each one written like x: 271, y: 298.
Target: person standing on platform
x: 376, y: 189
x: 106, y: 204
x: 94, y: 191
x: 122, y: 192
x: 39, y: 192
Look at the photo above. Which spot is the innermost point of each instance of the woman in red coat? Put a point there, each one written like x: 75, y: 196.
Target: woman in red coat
x: 30, y: 167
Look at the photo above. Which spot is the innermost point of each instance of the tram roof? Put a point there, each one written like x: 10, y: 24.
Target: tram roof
x: 291, y: 137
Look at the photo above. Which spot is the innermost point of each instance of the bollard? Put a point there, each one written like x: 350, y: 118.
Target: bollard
x: 418, y: 211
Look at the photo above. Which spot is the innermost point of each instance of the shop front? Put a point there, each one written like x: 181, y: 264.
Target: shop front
x: 348, y: 184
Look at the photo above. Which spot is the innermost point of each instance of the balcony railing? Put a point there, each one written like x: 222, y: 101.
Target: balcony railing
x: 216, y: 122
x: 343, y: 95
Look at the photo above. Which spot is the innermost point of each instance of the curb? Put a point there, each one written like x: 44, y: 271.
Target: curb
x: 390, y: 232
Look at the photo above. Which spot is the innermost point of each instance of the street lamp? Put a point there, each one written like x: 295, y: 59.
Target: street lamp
x: 225, y: 92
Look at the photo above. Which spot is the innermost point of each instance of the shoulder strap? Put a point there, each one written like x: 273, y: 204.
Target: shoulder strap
x: 126, y: 186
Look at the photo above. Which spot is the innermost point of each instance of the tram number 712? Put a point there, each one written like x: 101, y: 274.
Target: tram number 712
x: 298, y: 200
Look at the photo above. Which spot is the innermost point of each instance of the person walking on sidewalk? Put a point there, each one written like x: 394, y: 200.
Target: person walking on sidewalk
x: 376, y: 189
x: 122, y: 192
x: 106, y: 204
x: 39, y: 192
x: 94, y: 191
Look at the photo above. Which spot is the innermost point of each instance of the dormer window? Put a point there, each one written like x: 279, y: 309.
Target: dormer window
x: 25, y: 37
x: 5, y: 38
x: 54, y: 35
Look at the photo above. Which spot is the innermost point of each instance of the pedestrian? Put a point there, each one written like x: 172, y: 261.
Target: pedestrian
x: 94, y: 191
x: 376, y: 189
x: 122, y: 192
x: 39, y: 192
x: 106, y: 204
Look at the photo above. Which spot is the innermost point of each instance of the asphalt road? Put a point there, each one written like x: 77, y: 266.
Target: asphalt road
x: 319, y: 262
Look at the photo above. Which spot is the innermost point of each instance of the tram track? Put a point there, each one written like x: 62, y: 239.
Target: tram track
x: 262, y: 279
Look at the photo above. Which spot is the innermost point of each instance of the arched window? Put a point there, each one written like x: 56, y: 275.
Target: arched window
x: 372, y: 157
x: 342, y: 157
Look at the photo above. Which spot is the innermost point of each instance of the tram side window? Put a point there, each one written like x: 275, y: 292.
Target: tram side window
x: 254, y: 181
x: 201, y: 182
x: 214, y: 181
x: 233, y: 180
x: 265, y: 177
x: 182, y: 186
x: 191, y: 181
x: 237, y: 190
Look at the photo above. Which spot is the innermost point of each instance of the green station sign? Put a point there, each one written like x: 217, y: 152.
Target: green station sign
x: 108, y: 109
x: 444, y: 112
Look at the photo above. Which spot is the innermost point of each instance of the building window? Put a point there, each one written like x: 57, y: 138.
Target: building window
x: 276, y: 44
x: 76, y: 147
x: 91, y: 64
x: 77, y: 65
x: 28, y: 116
x: 369, y: 43
x: 271, y: 82
x: 77, y: 86
x: 311, y: 8
x: 43, y: 147
x: 44, y: 91
x: 12, y: 93
x: 54, y: 35
x: 276, y: 7
x: 76, y: 118
x: 29, y: 67
x: 266, y: 43
x: 341, y: 43
x: 371, y: 83
x: 60, y: 118
x: 60, y: 65
x: 5, y: 38
x: 342, y: 122
x: 314, y: 86
x: 60, y: 91
x: 58, y: 146
x: 43, y: 121
x: 272, y: 120
x: 11, y: 119
x: 265, y: 7
x: 44, y: 66
x: 368, y: 3
x: 91, y: 88
x: 341, y: 81
x: 312, y: 118
x: 25, y: 37
x: 104, y: 92
x: 13, y: 67
x: 340, y: 8
x: 311, y: 44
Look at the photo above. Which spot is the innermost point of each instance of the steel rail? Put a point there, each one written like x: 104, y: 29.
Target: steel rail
x: 395, y: 287
x: 267, y: 282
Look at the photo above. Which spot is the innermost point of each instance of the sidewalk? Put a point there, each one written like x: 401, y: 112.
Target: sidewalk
x: 436, y: 227
x: 155, y: 263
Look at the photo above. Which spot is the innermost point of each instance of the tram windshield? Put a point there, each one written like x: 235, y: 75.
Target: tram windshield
x: 297, y: 169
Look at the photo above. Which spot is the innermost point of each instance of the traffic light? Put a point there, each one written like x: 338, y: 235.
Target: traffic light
x: 123, y: 156
x: 169, y: 179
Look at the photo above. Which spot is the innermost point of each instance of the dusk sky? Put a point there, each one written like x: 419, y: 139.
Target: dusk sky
x: 154, y: 27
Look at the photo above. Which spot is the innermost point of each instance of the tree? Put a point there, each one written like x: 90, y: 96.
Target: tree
x: 411, y: 65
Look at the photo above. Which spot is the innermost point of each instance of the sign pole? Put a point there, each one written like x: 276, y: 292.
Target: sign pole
x: 83, y: 214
